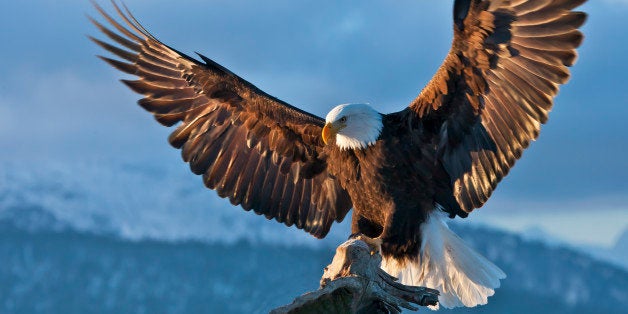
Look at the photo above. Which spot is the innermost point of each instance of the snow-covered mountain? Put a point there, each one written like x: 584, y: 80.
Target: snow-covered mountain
x: 621, y: 246
x: 134, y: 201
x: 549, y: 278
x: 617, y: 254
x: 128, y: 239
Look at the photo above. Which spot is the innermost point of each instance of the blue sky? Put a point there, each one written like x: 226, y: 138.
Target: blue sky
x: 59, y: 103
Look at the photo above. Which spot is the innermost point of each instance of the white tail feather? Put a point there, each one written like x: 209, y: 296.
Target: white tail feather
x: 446, y: 263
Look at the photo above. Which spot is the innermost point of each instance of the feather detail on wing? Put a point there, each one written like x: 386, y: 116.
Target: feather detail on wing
x: 250, y: 147
x: 489, y: 98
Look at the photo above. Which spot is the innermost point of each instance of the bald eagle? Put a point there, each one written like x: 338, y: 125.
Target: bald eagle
x: 403, y: 173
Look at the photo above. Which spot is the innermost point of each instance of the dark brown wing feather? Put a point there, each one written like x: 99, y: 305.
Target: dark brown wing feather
x: 488, y: 100
x: 258, y: 151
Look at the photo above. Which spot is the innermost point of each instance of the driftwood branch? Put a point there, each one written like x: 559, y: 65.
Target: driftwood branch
x: 355, y: 283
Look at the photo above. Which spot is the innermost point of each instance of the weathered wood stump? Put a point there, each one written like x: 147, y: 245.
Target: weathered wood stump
x: 355, y: 283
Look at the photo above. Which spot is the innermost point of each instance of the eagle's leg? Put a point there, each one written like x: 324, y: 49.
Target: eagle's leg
x: 375, y: 244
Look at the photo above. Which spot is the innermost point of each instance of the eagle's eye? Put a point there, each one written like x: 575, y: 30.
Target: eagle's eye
x: 343, y: 119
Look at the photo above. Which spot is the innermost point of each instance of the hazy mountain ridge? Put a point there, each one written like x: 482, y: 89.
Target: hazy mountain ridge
x: 562, y: 274
x: 149, y: 240
x: 64, y: 271
x: 616, y: 254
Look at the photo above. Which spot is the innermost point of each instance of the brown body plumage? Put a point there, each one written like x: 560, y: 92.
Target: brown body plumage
x: 447, y: 150
x: 391, y: 184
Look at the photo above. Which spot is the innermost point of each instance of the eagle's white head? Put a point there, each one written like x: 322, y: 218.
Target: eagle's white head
x: 355, y: 126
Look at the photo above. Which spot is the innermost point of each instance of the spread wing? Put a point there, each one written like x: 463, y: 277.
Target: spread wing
x: 258, y: 151
x: 488, y: 100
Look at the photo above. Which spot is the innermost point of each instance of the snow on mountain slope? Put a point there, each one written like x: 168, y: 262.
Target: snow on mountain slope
x: 618, y: 254
x: 621, y: 246
x: 139, y: 200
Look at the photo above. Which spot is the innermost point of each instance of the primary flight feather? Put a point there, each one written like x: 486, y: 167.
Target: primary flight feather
x: 403, y: 172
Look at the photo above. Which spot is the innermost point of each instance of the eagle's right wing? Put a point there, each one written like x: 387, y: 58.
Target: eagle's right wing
x: 258, y: 151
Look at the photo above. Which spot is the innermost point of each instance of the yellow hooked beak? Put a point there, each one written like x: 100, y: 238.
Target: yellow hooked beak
x: 328, y: 131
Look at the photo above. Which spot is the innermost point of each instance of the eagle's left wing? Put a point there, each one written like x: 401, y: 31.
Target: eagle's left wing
x: 489, y: 98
